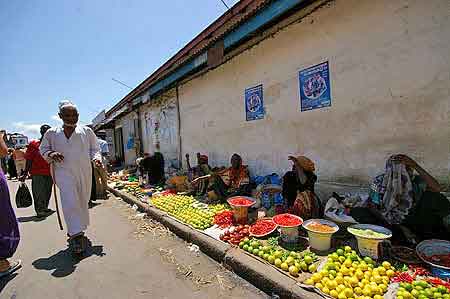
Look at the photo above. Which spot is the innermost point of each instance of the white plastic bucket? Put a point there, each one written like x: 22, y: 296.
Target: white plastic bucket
x: 320, y: 241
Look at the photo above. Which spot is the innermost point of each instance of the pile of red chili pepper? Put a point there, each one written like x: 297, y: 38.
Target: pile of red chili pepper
x: 418, y: 271
x: 240, y: 201
x: 287, y: 220
x: 406, y: 277
x: 224, y: 219
x: 439, y: 282
x: 402, y: 277
x: 262, y: 227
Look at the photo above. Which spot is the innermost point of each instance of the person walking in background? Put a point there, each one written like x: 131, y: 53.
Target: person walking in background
x: 19, y: 160
x: 12, y: 171
x: 100, y: 174
x: 41, y: 180
x: 70, y: 149
x: 9, y: 230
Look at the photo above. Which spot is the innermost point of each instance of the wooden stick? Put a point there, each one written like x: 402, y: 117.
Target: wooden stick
x: 52, y: 170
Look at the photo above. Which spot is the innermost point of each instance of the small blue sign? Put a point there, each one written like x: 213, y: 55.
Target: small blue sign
x: 254, y: 105
x: 130, y: 143
x: 315, y: 90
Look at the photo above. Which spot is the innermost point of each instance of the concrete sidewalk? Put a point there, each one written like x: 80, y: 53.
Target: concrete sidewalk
x: 131, y: 258
x: 264, y: 277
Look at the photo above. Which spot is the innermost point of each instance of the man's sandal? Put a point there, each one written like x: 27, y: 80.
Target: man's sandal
x: 13, y: 267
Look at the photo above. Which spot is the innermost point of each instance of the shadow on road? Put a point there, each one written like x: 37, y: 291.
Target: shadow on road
x: 30, y: 219
x: 4, y: 281
x: 64, y: 263
x: 93, y: 204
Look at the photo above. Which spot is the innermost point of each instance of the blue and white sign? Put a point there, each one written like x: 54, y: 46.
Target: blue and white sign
x: 315, y: 91
x: 254, y: 105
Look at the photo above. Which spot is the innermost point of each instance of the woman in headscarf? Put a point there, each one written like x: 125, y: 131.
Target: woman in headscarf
x: 200, y: 170
x: 298, y: 189
x: 9, y: 230
x: 403, y: 200
x: 229, y: 182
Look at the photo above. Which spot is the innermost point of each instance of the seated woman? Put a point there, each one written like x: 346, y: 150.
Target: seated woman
x: 229, y: 182
x: 298, y: 189
x: 404, y: 201
x: 202, y: 169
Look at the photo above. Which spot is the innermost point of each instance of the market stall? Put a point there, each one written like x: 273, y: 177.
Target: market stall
x: 359, y: 263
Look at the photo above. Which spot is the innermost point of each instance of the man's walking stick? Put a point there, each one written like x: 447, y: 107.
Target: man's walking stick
x: 52, y: 172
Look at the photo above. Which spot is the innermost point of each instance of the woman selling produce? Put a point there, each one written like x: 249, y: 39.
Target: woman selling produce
x: 298, y: 189
x: 401, y: 199
x: 200, y: 170
x: 232, y: 181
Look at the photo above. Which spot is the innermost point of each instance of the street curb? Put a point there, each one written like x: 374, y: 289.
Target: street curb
x: 260, y: 275
x: 213, y: 248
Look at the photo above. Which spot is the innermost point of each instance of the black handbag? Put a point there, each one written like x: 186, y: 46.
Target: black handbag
x: 23, y: 196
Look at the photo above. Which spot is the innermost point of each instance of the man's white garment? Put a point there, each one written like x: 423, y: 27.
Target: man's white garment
x: 73, y: 176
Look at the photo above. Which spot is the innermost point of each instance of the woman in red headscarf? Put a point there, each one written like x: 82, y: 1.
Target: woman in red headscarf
x: 298, y: 189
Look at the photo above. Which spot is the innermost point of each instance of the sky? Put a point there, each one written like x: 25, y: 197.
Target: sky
x: 55, y: 50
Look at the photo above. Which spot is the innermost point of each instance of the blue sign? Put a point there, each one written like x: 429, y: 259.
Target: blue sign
x: 130, y: 143
x: 315, y: 91
x: 254, y: 105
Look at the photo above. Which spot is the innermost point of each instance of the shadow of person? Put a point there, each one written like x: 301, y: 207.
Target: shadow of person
x: 64, y: 262
x: 4, y: 281
x: 30, y: 219
x: 93, y: 204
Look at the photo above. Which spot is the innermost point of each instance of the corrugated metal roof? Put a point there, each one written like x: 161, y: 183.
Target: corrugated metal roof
x: 240, y: 12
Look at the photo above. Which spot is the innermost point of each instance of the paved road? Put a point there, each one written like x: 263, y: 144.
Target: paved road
x: 131, y: 258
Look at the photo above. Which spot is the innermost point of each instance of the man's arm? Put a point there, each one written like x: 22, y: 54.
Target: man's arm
x: 94, y: 148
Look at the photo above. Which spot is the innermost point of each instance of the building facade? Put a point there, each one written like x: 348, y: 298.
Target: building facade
x: 389, y: 88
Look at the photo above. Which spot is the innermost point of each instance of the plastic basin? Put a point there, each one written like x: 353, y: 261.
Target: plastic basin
x: 320, y: 241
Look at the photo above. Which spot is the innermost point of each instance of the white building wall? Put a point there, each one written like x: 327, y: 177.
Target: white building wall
x: 159, y: 125
x: 390, y: 83
x: 127, y: 124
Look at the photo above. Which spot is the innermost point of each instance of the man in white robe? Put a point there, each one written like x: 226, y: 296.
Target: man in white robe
x: 70, y: 150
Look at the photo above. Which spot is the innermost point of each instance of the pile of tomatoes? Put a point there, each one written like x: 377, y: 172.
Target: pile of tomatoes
x: 235, y: 234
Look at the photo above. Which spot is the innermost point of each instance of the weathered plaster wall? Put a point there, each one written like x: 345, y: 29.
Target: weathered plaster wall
x: 390, y: 71
x: 159, y: 125
x: 127, y: 124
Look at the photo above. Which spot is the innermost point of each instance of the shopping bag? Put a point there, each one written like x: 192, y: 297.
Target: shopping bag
x: 23, y: 197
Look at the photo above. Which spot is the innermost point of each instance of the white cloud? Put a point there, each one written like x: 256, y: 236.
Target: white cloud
x: 30, y: 130
x: 56, y: 118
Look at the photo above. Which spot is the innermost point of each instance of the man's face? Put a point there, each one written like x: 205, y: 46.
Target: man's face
x: 69, y: 116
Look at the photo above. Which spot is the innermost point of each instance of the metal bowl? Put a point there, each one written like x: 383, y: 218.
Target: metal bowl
x: 431, y: 247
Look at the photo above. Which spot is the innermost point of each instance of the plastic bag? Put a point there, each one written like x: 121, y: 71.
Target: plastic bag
x: 23, y: 197
x: 335, y: 211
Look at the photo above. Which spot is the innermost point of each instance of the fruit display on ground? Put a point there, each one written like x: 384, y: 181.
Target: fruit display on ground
x: 347, y: 275
x: 182, y: 208
x: 235, y: 234
x: 289, y: 261
x: 422, y: 289
x: 262, y: 227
